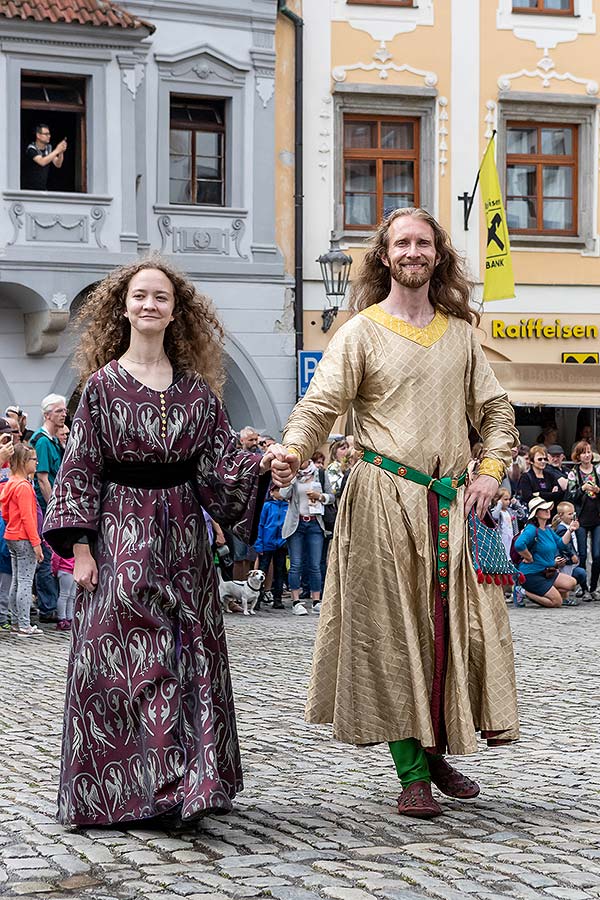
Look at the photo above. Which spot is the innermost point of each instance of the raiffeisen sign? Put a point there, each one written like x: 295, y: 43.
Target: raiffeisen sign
x: 538, y: 328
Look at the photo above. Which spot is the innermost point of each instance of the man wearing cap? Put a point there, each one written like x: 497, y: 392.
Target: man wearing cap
x: 556, y: 458
x: 544, y: 554
x: 411, y: 650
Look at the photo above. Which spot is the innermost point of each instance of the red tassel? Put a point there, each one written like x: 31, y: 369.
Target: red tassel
x: 506, y: 579
x: 497, y: 579
x: 521, y: 578
x: 480, y: 576
x: 489, y: 579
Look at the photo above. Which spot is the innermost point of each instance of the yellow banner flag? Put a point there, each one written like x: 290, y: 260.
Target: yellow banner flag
x: 499, y: 281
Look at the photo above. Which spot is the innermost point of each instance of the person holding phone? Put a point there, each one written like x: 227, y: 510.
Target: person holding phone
x: 38, y: 157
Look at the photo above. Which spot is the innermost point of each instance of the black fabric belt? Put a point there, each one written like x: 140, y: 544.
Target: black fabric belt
x: 150, y: 475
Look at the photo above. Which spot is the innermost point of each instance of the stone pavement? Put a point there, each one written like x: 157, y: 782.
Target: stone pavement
x: 318, y: 819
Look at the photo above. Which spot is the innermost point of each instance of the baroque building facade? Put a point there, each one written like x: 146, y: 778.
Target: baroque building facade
x: 401, y: 98
x: 169, y: 111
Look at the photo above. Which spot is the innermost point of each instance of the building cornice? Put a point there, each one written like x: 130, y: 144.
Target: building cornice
x: 74, y: 35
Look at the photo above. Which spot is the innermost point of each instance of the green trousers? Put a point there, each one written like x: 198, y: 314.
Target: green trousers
x: 410, y: 760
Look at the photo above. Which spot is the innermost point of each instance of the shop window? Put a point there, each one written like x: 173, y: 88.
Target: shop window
x: 58, y: 102
x: 197, y: 151
x: 546, y: 7
x: 541, y: 178
x: 381, y: 167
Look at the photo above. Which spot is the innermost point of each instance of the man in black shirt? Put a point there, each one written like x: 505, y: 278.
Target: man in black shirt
x: 556, y: 458
x: 38, y: 156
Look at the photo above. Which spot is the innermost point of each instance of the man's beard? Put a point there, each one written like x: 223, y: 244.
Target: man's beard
x: 400, y: 273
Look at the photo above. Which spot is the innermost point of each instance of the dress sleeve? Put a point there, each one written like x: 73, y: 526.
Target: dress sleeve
x: 334, y: 386
x: 526, y: 539
x: 229, y: 484
x: 74, y: 507
x: 489, y: 409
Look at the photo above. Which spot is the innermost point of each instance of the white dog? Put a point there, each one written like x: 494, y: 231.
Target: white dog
x: 244, y: 592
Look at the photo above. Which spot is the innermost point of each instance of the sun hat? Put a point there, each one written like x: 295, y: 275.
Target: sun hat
x: 536, y: 503
x: 555, y: 449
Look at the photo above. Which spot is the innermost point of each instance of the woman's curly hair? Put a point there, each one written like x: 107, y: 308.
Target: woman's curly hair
x: 193, y: 341
x: 449, y: 288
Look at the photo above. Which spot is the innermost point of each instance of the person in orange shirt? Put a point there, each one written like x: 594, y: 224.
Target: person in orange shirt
x: 19, y: 511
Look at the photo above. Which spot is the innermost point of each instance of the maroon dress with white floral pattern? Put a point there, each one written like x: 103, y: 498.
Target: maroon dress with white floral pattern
x: 149, y: 716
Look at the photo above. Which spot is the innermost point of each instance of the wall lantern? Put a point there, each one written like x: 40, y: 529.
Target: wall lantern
x: 335, y: 272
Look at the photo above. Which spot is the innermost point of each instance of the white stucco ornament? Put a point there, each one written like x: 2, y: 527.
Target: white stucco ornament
x: 384, y: 23
x: 546, y: 73
x: 383, y: 66
x: 547, y: 31
x: 265, y: 88
x: 132, y: 78
x: 59, y: 300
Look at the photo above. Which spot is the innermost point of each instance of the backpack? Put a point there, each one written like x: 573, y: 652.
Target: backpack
x: 515, y: 556
x: 330, y: 510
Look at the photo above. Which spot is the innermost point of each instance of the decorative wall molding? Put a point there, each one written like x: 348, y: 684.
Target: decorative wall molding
x: 203, y: 63
x: 443, y: 121
x: 384, y: 24
x: 71, y: 228
x: 43, y: 330
x: 491, y: 118
x: 547, y: 73
x: 204, y: 240
x: 325, y: 135
x: 132, y: 77
x: 265, y: 88
x: 546, y: 32
x: 382, y: 64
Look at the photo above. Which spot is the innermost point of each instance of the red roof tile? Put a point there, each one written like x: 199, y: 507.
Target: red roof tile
x: 81, y: 12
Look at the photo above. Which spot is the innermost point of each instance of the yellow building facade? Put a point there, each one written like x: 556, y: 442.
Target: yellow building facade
x: 400, y: 101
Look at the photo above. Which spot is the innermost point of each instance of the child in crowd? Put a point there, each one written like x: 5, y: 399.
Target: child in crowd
x: 270, y: 545
x: 506, y: 518
x: 63, y: 570
x: 20, y: 512
x: 565, y: 515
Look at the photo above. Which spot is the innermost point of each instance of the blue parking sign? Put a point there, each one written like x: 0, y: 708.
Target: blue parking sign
x: 308, y: 360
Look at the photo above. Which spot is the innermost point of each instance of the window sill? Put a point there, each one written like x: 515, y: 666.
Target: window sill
x: 549, y: 241
x: 59, y: 197
x: 189, y: 209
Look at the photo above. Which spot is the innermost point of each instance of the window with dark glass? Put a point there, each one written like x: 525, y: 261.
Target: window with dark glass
x: 197, y: 151
x: 541, y: 178
x: 58, y: 102
x: 547, y: 7
x: 381, y: 167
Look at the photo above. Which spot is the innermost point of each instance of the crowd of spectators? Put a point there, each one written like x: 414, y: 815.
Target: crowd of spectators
x: 547, y: 511
x: 548, y: 515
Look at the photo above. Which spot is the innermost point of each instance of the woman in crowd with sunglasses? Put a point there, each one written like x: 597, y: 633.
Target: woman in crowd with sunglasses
x: 538, y: 481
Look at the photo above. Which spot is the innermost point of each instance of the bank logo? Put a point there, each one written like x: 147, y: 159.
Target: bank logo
x: 581, y: 358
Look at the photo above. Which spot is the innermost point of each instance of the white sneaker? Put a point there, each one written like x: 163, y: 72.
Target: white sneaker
x: 299, y: 609
x: 595, y: 595
x: 317, y: 607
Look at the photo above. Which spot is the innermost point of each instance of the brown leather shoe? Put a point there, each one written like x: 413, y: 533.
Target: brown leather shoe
x: 417, y: 801
x: 449, y: 780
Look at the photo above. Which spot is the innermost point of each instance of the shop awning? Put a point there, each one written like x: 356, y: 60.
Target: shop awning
x: 550, y: 384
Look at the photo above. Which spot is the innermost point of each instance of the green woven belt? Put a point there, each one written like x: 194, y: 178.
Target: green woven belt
x: 446, y: 488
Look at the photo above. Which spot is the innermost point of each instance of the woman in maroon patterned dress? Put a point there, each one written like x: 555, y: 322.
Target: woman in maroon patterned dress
x: 149, y: 719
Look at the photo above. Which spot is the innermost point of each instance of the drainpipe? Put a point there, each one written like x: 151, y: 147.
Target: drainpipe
x: 298, y: 23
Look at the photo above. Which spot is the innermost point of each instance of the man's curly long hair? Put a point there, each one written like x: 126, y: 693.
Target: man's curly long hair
x: 193, y: 342
x: 449, y: 289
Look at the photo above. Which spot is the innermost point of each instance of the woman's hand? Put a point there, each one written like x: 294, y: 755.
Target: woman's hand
x: 85, y: 571
x: 526, y: 556
x: 283, y: 465
x: 39, y: 553
x: 7, y: 448
x: 315, y: 496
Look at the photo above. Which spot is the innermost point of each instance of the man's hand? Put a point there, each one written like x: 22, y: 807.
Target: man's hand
x: 7, y: 448
x: 480, y: 494
x: 85, y: 570
x: 283, y: 465
x: 61, y: 148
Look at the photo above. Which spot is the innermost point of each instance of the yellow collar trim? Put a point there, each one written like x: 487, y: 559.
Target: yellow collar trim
x: 426, y: 337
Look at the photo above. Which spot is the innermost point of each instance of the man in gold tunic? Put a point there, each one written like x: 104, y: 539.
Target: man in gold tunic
x: 411, y: 649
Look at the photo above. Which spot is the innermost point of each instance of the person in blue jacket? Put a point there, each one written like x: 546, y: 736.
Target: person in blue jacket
x: 543, y: 554
x: 270, y: 545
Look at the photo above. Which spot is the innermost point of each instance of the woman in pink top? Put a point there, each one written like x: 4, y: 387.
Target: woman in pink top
x: 19, y: 511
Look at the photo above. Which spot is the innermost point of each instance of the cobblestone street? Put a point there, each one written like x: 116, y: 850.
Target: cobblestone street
x: 318, y: 819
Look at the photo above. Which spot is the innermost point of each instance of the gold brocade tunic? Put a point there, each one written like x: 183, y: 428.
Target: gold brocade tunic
x: 413, y: 392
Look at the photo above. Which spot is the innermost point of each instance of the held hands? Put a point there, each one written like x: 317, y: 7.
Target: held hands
x: 480, y: 494
x: 283, y: 465
x: 85, y: 571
